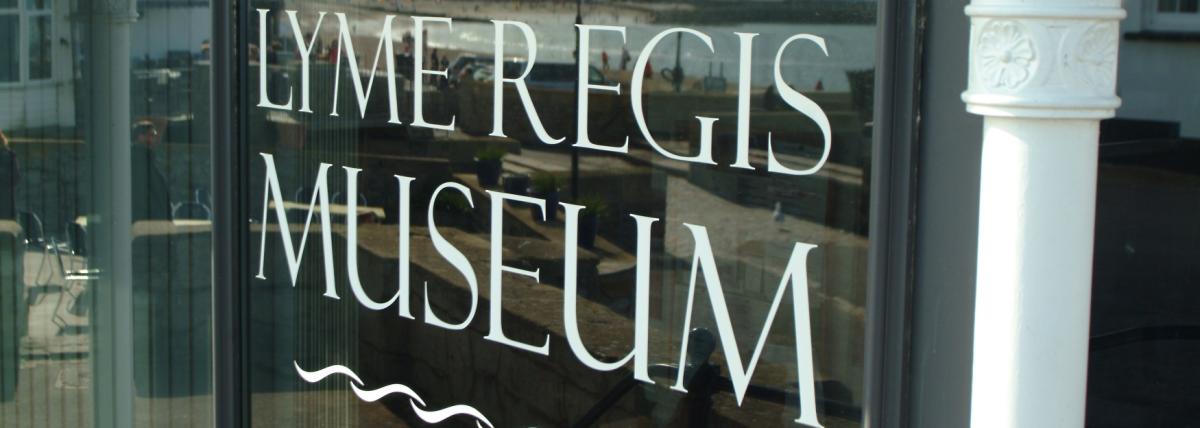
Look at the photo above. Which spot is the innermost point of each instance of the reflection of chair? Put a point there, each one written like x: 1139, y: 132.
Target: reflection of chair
x: 73, y: 315
x: 35, y: 235
x: 302, y: 194
x: 76, y: 239
x: 191, y: 211
x: 340, y: 199
x: 201, y: 195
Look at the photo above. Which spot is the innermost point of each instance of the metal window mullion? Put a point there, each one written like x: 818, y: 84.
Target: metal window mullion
x: 892, y: 194
x: 228, y: 350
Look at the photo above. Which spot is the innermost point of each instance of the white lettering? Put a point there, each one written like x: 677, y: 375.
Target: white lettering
x: 635, y: 86
x: 640, y: 354
x: 352, y: 244
x: 496, y: 312
x: 306, y: 49
x: 499, y: 80
x: 405, y: 235
x: 454, y: 257
x: 745, y: 60
x: 419, y: 73
x: 585, y: 37
x: 796, y: 275
x: 346, y: 43
x: 272, y: 194
x: 263, y: 99
x: 802, y: 104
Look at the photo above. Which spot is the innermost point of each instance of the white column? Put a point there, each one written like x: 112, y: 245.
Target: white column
x: 1043, y: 74
x: 110, y: 57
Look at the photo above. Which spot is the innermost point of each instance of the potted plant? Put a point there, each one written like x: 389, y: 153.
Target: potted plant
x: 453, y: 210
x: 546, y: 186
x: 489, y: 161
x: 517, y: 184
x: 594, y: 207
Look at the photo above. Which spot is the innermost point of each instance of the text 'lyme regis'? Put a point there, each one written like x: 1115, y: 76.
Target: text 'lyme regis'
x: 385, y: 49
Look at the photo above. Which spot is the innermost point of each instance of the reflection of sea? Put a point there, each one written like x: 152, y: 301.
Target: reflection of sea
x: 851, y: 47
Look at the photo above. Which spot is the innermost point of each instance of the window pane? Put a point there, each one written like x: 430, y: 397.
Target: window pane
x: 8, y: 4
x: 9, y: 71
x: 40, y: 39
x: 105, y: 273
x: 751, y: 222
x: 1168, y: 5
x: 1143, y: 353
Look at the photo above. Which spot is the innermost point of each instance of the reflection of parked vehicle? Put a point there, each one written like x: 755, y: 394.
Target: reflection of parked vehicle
x: 553, y: 76
x: 465, y: 62
x: 552, y: 90
x: 543, y: 75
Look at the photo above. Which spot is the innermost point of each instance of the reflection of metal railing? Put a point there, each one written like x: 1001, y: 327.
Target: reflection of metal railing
x: 703, y: 380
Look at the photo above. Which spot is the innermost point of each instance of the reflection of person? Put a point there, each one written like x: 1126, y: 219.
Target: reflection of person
x: 151, y: 196
x: 444, y: 82
x: 604, y: 60
x: 10, y: 177
x: 625, y: 58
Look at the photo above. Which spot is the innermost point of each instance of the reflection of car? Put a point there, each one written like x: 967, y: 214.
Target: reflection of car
x: 466, y: 62
x: 543, y: 75
x: 553, y: 75
x: 552, y: 91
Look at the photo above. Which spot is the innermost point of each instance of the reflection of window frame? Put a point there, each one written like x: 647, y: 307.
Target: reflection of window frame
x: 25, y: 13
x: 29, y: 15
x: 14, y: 11
x: 1171, y: 20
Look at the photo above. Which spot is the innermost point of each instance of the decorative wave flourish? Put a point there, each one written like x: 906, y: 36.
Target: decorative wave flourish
x: 418, y: 404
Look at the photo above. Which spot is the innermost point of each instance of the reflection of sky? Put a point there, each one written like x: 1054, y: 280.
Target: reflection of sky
x: 851, y: 47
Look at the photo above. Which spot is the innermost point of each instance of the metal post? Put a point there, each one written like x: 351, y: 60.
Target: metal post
x: 677, y: 72
x: 1043, y: 75
x: 109, y: 96
x: 227, y: 176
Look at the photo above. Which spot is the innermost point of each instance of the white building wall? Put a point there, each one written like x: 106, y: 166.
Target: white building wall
x: 159, y: 30
x: 31, y: 104
x: 1158, y: 79
x: 37, y: 104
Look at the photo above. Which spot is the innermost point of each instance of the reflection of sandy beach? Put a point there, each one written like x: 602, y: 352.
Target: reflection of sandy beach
x: 608, y: 13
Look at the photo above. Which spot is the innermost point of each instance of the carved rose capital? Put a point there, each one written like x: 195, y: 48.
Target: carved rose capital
x: 1052, y: 59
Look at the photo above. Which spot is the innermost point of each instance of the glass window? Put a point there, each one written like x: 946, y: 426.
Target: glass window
x: 1145, y: 328
x: 499, y: 257
x: 9, y: 52
x: 40, y: 44
x: 1175, y: 16
x: 105, y: 237
x: 1178, y: 6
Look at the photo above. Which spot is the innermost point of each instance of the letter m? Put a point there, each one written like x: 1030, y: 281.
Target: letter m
x: 346, y: 44
x: 796, y: 275
x: 273, y: 197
